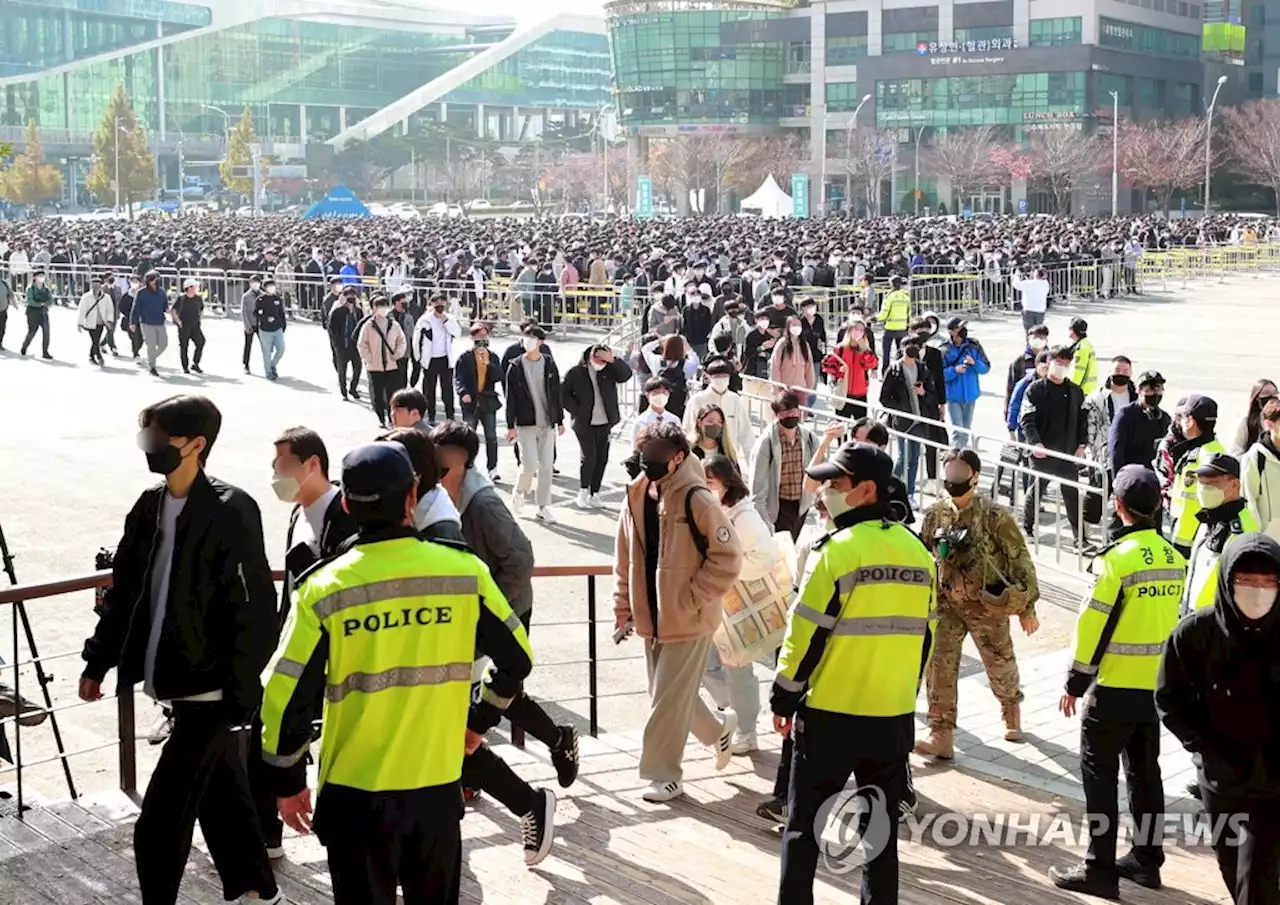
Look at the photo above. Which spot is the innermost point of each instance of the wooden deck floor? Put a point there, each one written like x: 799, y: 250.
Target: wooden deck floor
x: 611, y: 847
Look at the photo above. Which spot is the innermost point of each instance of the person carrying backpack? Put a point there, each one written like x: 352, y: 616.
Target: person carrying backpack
x: 381, y: 344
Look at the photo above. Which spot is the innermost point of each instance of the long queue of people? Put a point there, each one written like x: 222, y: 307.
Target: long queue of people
x: 411, y: 567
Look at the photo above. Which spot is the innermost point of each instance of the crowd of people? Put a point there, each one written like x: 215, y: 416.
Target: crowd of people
x: 409, y: 580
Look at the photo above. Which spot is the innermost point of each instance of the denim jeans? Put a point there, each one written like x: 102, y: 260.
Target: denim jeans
x: 272, y: 342
x: 733, y: 686
x: 961, y: 415
x: 908, y: 463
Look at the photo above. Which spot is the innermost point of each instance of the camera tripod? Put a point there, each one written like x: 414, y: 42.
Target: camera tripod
x: 42, y: 677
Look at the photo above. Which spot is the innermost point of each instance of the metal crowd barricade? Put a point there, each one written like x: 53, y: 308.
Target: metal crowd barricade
x: 1002, y: 459
x: 596, y: 623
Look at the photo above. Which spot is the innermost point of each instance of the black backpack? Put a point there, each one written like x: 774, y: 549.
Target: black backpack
x: 699, y: 539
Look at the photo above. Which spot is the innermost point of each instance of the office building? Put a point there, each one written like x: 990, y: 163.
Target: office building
x: 754, y: 67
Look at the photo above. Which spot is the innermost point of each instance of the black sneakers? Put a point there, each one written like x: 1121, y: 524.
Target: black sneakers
x: 1129, y: 869
x: 564, y: 757
x: 773, y: 810
x: 538, y: 827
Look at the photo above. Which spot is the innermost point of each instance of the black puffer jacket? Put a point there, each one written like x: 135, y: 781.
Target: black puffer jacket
x: 1219, y: 686
x: 220, y: 625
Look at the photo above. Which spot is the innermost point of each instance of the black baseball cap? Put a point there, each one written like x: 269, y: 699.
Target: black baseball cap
x: 1150, y: 379
x: 957, y: 323
x: 860, y: 461
x: 1139, y: 489
x: 1218, y: 464
x: 376, y: 472
x: 1202, y: 408
x: 1079, y: 326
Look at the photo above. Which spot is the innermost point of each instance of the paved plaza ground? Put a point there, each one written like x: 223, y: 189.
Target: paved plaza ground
x: 69, y: 470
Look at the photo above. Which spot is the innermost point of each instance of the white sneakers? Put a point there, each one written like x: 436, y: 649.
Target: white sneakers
x: 584, y: 499
x: 596, y: 502
x: 546, y: 515
x: 663, y: 791
x: 724, y: 744
x: 517, y: 504
x: 277, y: 899
x: 744, y: 743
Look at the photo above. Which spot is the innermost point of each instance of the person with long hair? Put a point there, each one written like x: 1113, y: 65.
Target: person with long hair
x: 673, y: 359
x: 710, y: 437
x: 1250, y: 427
x: 850, y: 365
x: 792, y: 362
x: 736, y: 687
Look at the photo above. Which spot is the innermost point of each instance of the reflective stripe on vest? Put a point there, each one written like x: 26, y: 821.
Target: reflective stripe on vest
x: 398, y: 677
x: 394, y: 589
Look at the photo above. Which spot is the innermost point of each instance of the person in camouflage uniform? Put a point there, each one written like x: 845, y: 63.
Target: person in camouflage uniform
x: 985, y: 576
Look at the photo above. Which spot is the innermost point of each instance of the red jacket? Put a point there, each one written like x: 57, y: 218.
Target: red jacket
x: 857, y: 364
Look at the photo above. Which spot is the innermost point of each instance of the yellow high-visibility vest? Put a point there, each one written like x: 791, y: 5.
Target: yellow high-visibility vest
x: 1142, y: 575
x: 873, y: 589
x: 391, y: 627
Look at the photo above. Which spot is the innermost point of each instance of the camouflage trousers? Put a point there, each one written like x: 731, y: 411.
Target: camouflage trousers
x: 995, y: 646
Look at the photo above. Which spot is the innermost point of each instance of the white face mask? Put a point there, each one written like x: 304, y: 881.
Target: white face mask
x: 796, y: 330
x: 531, y: 343
x: 1254, y: 603
x: 1038, y: 344
x: 720, y: 384
x: 286, y: 488
x: 659, y: 400
x: 1210, y: 497
x: 762, y: 325
x: 597, y: 365
x: 1059, y: 371
x: 381, y: 311
x: 836, y: 502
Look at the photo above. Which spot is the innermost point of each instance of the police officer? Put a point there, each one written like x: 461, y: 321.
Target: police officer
x: 895, y: 313
x: 985, y: 575
x: 1120, y: 634
x: 856, y: 646
x: 387, y: 632
x: 1223, y: 515
x: 1198, y: 418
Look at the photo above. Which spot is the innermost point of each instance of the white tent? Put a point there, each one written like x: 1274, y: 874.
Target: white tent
x: 768, y: 201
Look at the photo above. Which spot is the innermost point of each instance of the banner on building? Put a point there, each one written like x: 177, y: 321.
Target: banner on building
x: 800, y: 194
x: 644, y: 197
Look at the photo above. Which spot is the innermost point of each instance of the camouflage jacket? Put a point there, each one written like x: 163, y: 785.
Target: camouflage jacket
x: 994, y: 548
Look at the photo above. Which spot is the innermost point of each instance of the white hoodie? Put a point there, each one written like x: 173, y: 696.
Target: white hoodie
x: 96, y: 311
x: 1262, y: 488
x: 435, y: 507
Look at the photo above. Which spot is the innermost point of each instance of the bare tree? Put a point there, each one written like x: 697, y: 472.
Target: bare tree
x: 869, y: 160
x: 778, y: 156
x: 1064, y: 160
x: 1253, y: 142
x: 1162, y: 157
x: 963, y: 156
x: 710, y: 163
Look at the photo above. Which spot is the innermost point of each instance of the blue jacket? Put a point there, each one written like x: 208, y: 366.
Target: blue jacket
x: 1015, y: 403
x: 149, y: 307
x: 963, y: 387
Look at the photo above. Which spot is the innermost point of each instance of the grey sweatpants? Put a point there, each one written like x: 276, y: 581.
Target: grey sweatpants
x: 157, y: 339
x: 537, y: 455
x: 675, y: 708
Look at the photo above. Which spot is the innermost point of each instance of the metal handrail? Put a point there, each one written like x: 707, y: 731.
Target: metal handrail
x: 127, y: 739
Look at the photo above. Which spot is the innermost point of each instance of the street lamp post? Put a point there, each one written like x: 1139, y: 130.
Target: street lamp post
x: 848, y: 153
x: 1208, y: 141
x: 1115, y: 152
x: 226, y: 128
x: 116, y: 142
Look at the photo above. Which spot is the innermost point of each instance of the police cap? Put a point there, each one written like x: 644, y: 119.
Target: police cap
x: 1139, y: 489
x: 1202, y: 408
x: 860, y: 461
x: 376, y: 472
x: 1217, y: 465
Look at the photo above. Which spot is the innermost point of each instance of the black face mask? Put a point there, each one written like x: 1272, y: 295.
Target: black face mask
x: 165, y: 461
x: 439, y: 308
x: 1119, y: 380
x: 1152, y: 400
x: 957, y: 489
x: 481, y: 344
x: 911, y: 352
x: 789, y: 422
x: 654, y: 471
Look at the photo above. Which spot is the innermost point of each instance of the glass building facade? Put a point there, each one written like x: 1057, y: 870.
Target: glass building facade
x: 297, y: 77
x: 697, y: 65
x: 981, y: 99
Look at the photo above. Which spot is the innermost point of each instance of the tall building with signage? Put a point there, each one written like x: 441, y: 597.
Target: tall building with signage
x: 749, y: 67
x: 311, y: 71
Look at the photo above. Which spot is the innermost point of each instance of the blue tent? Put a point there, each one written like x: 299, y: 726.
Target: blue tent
x: 340, y: 202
